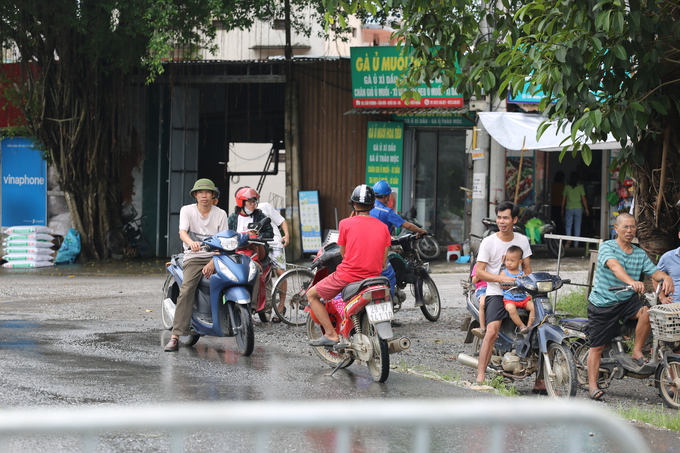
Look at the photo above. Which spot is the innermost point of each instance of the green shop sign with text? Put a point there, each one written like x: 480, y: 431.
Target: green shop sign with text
x: 437, y: 119
x: 384, y: 152
x: 375, y: 71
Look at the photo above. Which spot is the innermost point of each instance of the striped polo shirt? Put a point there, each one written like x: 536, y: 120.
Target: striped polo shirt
x: 635, y: 264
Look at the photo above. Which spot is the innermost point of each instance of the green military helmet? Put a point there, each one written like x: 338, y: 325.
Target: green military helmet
x: 203, y: 184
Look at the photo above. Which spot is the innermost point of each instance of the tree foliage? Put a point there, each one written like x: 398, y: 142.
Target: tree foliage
x: 75, y: 56
x: 609, y: 66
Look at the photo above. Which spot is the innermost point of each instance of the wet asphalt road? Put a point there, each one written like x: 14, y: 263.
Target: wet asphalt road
x: 87, y: 340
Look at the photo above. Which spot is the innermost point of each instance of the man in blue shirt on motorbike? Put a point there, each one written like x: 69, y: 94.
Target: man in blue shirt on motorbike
x: 383, y: 193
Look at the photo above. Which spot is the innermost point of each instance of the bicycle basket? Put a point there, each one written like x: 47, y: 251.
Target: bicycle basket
x: 665, y: 320
x: 129, y: 213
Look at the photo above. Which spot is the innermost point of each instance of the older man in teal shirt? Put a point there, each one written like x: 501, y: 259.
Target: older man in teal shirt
x: 619, y: 263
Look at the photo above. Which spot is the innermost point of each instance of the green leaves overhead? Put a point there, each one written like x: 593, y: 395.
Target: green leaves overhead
x: 605, y: 66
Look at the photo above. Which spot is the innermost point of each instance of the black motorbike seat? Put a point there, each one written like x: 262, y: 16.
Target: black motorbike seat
x: 353, y: 289
x: 580, y: 324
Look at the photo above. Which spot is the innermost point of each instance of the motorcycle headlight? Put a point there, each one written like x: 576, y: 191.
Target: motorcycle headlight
x: 252, y: 270
x: 226, y: 271
x: 544, y: 287
x: 229, y: 244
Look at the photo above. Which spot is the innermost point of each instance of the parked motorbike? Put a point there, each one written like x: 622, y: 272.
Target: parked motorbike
x: 544, y: 349
x: 530, y: 212
x: 223, y: 303
x: 618, y: 364
x: 410, y: 269
x: 361, y: 316
x: 428, y: 246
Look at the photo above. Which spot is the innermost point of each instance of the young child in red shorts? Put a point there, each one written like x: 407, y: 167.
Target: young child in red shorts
x: 514, y: 298
x: 363, y: 242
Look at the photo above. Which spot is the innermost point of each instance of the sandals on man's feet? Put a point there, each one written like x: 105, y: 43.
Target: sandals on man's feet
x: 641, y: 361
x: 597, y: 395
x: 478, y: 332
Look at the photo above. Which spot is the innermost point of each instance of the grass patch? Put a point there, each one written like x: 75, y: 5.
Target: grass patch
x: 501, y: 387
x: 574, y: 303
x: 657, y: 416
x: 497, y: 383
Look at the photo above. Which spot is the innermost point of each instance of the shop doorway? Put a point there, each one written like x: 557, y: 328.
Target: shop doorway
x: 589, y: 176
x: 440, y: 171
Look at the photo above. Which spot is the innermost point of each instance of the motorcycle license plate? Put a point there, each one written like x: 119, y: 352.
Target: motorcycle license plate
x: 380, y: 312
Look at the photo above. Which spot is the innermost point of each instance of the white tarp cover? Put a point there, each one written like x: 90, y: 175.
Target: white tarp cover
x: 509, y: 129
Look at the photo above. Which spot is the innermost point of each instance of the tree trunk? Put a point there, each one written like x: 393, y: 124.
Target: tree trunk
x: 656, y: 212
x: 77, y: 123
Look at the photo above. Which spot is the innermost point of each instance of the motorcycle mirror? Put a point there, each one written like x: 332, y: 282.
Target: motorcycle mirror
x: 265, y: 221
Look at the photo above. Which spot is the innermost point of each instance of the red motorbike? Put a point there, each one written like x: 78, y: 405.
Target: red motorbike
x: 257, y: 252
x: 361, y: 316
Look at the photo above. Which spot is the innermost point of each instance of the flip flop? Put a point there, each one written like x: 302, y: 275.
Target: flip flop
x: 323, y: 341
x: 542, y: 392
x: 597, y: 395
x: 641, y: 361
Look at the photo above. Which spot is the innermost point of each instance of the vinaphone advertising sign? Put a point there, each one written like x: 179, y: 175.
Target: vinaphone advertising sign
x: 375, y: 71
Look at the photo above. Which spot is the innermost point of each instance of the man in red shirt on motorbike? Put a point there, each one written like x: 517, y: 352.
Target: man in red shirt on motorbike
x: 363, y: 242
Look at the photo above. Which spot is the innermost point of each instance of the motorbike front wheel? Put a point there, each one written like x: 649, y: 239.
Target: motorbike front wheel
x: 379, y: 363
x: 667, y: 381
x: 432, y: 303
x: 580, y: 351
x: 266, y: 313
x: 329, y: 356
x: 428, y: 247
x: 243, y: 328
x: 562, y: 383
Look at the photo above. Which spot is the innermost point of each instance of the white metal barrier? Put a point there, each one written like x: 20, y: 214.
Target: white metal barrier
x: 263, y: 416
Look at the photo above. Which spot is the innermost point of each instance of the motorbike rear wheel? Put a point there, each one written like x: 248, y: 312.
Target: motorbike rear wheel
x: 562, y: 383
x: 189, y: 340
x: 170, y: 291
x: 243, y: 328
x: 554, y: 247
x: 428, y: 247
x: 379, y: 364
x: 329, y: 356
x: 432, y: 303
x: 669, y: 391
x: 296, y: 282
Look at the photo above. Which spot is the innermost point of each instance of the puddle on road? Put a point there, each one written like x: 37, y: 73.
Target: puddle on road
x: 10, y: 330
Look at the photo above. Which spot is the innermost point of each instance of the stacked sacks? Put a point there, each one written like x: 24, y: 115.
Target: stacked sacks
x: 29, y: 246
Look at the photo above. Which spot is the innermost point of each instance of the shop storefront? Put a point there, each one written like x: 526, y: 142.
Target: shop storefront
x: 544, y: 175
x: 429, y: 166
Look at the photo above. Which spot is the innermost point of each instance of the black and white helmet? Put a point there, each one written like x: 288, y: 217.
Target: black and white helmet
x: 363, y: 194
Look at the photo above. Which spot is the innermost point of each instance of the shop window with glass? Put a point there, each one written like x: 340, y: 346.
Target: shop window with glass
x: 440, y: 171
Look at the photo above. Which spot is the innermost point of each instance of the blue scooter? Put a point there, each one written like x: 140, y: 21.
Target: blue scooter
x: 544, y: 349
x: 223, y: 303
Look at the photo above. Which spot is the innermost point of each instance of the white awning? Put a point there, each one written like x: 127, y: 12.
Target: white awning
x: 510, y: 129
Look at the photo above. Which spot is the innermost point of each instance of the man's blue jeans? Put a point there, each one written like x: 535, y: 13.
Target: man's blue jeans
x: 573, y: 218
